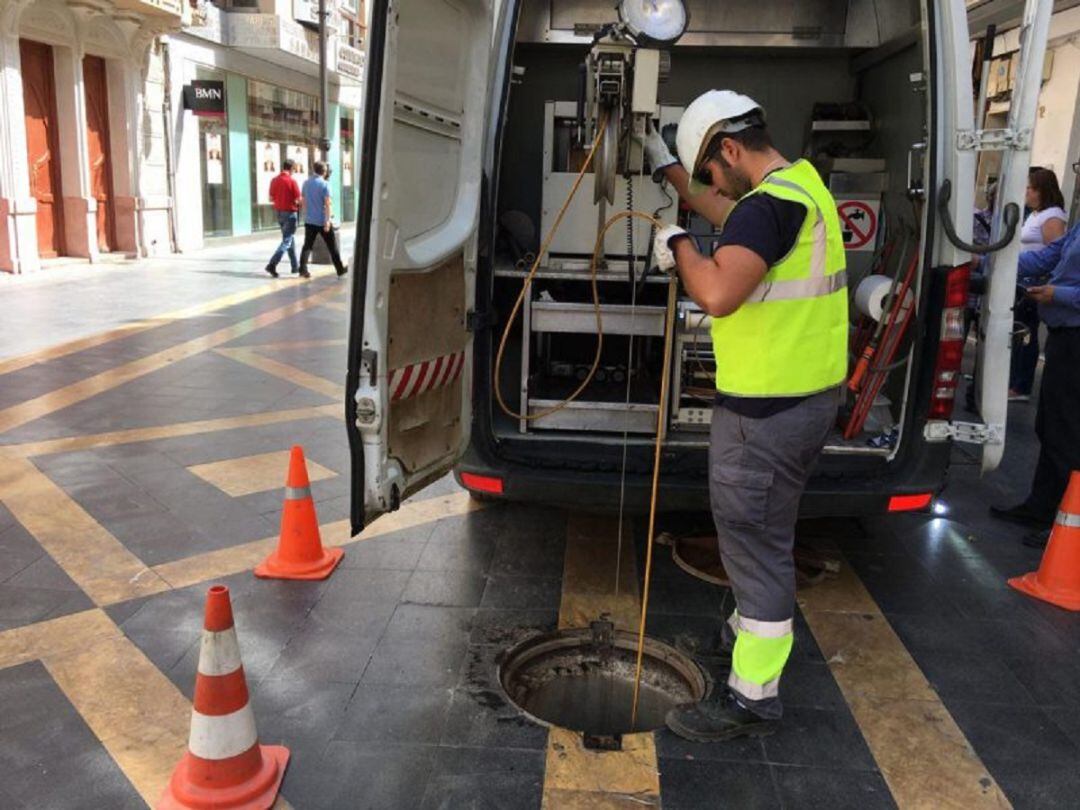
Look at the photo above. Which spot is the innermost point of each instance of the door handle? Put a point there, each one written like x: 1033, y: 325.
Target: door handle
x: 1010, y: 216
x: 914, y: 190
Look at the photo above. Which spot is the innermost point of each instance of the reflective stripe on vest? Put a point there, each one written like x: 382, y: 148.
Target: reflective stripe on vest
x: 796, y: 288
x: 789, y: 338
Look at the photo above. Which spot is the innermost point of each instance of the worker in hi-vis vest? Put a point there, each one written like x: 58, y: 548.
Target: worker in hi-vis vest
x: 776, y: 292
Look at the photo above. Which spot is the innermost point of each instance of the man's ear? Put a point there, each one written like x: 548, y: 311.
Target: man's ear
x: 729, y: 148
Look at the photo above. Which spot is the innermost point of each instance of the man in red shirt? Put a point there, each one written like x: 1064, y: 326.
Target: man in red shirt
x: 285, y: 196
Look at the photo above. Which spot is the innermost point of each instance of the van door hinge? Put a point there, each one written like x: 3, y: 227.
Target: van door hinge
x: 475, y: 321
x: 967, y: 432
x: 994, y: 140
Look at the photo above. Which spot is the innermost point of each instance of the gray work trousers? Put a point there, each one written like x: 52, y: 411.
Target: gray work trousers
x: 758, y: 469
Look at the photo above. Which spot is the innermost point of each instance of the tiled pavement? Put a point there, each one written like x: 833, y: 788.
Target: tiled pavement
x: 381, y: 679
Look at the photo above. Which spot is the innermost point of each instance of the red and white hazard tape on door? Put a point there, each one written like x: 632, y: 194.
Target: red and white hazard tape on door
x: 428, y: 375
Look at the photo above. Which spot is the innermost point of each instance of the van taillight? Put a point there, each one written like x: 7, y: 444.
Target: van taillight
x: 910, y: 503
x: 482, y: 483
x: 950, y: 354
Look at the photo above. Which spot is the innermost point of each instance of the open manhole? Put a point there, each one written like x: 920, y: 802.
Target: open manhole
x: 583, y: 680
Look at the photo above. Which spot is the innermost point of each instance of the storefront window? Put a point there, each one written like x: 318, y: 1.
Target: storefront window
x: 214, y: 166
x: 348, y: 171
x: 282, y: 124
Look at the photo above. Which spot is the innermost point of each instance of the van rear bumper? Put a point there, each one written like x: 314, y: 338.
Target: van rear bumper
x: 825, y: 496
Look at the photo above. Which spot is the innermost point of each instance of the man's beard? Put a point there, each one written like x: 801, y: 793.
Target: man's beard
x: 737, y: 181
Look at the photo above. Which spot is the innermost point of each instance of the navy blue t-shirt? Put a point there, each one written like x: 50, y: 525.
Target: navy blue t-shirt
x: 769, y: 227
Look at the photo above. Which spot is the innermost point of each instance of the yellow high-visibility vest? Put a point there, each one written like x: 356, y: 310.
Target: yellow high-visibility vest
x: 790, y: 337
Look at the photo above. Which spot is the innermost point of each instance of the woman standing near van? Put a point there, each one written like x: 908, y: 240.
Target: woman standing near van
x: 1043, y: 225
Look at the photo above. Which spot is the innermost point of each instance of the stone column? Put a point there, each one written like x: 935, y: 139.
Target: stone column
x: 80, y: 207
x: 122, y: 147
x: 18, y: 210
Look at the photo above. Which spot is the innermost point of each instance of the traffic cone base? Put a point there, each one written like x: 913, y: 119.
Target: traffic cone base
x: 258, y: 792
x: 300, y: 553
x: 272, y: 567
x: 1062, y: 597
x: 1058, y: 579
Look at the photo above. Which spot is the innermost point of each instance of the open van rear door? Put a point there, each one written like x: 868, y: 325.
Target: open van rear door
x: 962, y: 140
x: 997, y: 319
x: 408, y: 388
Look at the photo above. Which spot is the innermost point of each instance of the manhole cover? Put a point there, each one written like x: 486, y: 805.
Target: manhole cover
x: 583, y: 680
x: 700, y: 557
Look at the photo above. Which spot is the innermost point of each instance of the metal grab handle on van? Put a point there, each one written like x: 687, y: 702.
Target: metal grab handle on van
x: 1011, y: 218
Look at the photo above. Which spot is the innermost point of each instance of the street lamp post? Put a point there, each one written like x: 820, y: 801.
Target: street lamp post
x: 324, y: 84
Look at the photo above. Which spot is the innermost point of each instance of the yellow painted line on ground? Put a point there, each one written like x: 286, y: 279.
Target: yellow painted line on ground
x: 139, y: 716
x: 98, y: 563
x: 232, y: 560
x: 588, y: 588
x: 923, y: 755
x: 89, y: 342
x: 291, y: 345
x: 71, y: 444
x: 340, y: 306
x: 54, y: 637
x: 134, y: 710
x: 242, y: 476
x: 297, y: 376
x: 575, y: 778
x: 18, y: 415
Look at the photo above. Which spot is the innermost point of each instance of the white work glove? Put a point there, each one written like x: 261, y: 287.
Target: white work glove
x: 656, y: 150
x: 661, y: 251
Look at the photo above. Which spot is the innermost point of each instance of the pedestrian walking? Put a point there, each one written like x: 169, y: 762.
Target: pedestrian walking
x: 1045, y: 223
x: 285, y: 197
x: 775, y: 289
x: 318, y: 219
x: 1052, y: 278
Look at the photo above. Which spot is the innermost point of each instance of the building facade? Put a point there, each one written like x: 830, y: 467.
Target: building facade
x: 1055, y: 142
x: 265, y: 55
x: 83, y: 142
x: 98, y: 154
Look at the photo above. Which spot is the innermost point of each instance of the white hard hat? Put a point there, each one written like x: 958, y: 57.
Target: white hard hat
x: 707, y: 115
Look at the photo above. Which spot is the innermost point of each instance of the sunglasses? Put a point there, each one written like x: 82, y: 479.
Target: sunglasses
x: 703, y: 174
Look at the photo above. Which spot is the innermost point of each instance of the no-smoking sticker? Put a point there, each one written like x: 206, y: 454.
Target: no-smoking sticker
x: 858, y: 223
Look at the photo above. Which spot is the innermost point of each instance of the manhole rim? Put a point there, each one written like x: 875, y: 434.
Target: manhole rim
x: 699, y: 680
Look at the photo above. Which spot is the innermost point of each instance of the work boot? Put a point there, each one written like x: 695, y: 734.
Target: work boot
x: 1037, y: 540
x: 1022, y: 515
x: 718, y: 719
x: 271, y: 271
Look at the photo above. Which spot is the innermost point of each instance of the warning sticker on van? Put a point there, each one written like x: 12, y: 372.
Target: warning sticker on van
x: 858, y: 223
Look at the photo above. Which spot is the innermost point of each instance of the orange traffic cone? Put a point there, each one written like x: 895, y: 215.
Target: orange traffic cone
x: 224, y: 767
x: 1058, y: 579
x: 300, y: 553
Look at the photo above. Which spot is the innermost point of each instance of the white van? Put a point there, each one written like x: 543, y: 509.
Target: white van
x: 477, y: 120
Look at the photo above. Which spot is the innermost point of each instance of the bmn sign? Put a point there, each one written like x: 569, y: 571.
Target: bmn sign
x: 205, y: 97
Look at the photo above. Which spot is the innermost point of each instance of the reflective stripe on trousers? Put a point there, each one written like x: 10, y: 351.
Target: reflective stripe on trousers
x: 761, y: 650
